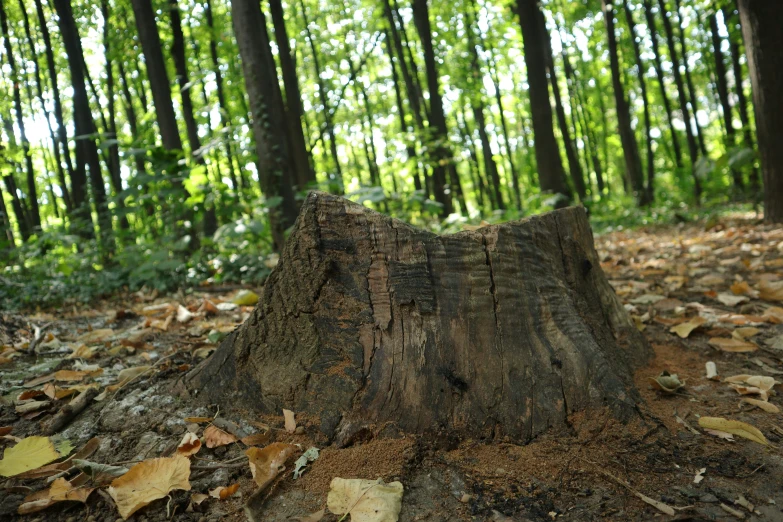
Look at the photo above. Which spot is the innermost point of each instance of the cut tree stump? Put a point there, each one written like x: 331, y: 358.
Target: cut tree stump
x: 500, y: 331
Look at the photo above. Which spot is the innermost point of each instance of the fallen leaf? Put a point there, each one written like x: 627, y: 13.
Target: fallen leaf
x: 198, y: 419
x: 215, y: 437
x: 265, y: 464
x: 743, y: 288
x: 720, y: 434
x: 183, y: 314
x: 30, y: 394
x: 760, y: 381
x: 732, y: 345
x: 129, y: 374
x: 750, y: 390
x: 739, y: 428
x: 365, y: 500
x: 771, y: 291
x: 732, y: 511
x: 764, y: 405
x: 190, y: 445
x: 647, y: 299
x: 312, y: 517
x: 666, y: 382
x: 245, y: 298
x: 307, y: 457
x: 27, y: 407
x: 685, y: 329
x: 96, y: 336
x: 699, y: 475
x: 83, y: 352
x: 198, y: 498
x: 731, y: 299
x: 773, y: 314
x: 223, y: 492
x: 290, y: 421
x: 208, y: 307
x: 60, y: 491
x: 100, y: 473
x: 5, y: 430
x: 148, y: 481
x: 70, y: 375
x: 745, y: 332
x: 257, y: 439
x: 30, y: 453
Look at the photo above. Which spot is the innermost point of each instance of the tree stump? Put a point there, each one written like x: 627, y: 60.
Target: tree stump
x: 500, y: 331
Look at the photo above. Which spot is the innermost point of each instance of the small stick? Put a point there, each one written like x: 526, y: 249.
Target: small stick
x: 70, y: 411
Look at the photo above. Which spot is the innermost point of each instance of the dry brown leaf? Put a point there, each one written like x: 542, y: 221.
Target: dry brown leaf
x: 5, y: 430
x: 745, y: 332
x: 198, y: 419
x: 312, y: 517
x: 743, y: 288
x: 30, y: 394
x: 739, y: 428
x: 685, y: 329
x: 223, y: 492
x: 190, y: 445
x: 773, y: 314
x: 290, y: 421
x: 750, y: 390
x: 257, y: 439
x: 215, y: 437
x: 760, y: 381
x: 129, y: 374
x: 265, y: 464
x: 148, y: 481
x: 771, y: 291
x: 764, y: 405
x: 731, y: 299
x: 365, y: 500
x: 60, y: 491
x: 666, y: 382
x: 96, y: 336
x: 732, y: 345
x: 70, y: 375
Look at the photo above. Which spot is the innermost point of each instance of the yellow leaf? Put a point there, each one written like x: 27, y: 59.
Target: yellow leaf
x: 738, y: 428
x: 764, y: 405
x: 60, y: 491
x: 365, y: 500
x: 190, y: 445
x: 245, y: 298
x: 265, y: 464
x: 732, y: 345
x: 69, y: 375
x: 745, y: 332
x: 148, y: 481
x: 82, y: 352
x: 215, y: 437
x: 685, y: 329
x: 30, y: 453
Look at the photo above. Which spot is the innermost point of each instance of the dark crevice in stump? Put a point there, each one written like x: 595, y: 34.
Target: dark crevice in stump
x: 501, y: 331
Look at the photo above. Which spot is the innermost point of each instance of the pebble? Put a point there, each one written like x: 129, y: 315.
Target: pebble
x: 466, y: 498
x: 299, y: 430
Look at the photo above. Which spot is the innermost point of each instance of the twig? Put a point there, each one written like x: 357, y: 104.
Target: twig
x: 70, y: 411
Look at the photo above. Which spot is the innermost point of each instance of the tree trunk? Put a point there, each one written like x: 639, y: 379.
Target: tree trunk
x: 649, y: 194
x: 32, y: 193
x: 723, y: 95
x: 742, y: 100
x: 657, y: 63
x: 763, y: 42
x: 500, y: 332
x: 293, y: 98
x: 633, y: 164
x: 551, y: 175
x: 441, y: 159
x: 276, y: 171
x: 693, y: 150
x: 16, y: 205
x: 490, y: 167
x: 689, y: 80
x: 7, y: 241
x: 86, y: 149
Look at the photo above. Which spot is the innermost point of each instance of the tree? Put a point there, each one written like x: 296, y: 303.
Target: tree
x: 551, y: 175
x: 763, y: 41
x: 407, y: 342
x: 276, y: 171
x: 633, y: 165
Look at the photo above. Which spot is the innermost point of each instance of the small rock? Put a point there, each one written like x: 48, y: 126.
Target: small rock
x: 299, y: 430
x: 708, y: 498
x: 465, y: 498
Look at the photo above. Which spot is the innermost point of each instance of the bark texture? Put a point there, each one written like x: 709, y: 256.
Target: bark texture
x: 505, y: 330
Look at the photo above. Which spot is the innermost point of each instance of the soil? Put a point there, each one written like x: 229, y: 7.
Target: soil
x: 590, y: 471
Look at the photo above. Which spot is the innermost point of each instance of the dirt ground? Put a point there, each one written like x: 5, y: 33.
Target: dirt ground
x: 720, y: 277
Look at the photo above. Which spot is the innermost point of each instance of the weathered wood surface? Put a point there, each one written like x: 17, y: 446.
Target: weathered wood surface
x: 504, y: 330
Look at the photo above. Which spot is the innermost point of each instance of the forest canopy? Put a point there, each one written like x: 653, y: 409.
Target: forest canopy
x: 171, y: 142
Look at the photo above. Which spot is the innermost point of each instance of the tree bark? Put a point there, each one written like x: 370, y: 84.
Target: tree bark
x: 649, y: 193
x: 633, y: 164
x: 500, y: 332
x: 689, y: 80
x: 763, y: 42
x: 442, y: 160
x: 551, y: 175
x: 490, y: 167
x: 7, y: 241
x: 276, y: 171
x: 32, y: 193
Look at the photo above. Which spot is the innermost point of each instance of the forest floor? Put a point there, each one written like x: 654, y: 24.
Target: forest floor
x: 700, y: 291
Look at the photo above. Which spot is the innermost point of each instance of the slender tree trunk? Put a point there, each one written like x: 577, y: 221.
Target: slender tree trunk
x: 574, y: 168
x: 723, y: 95
x: 410, y: 143
x: 763, y: 42
x: 327, y: 111
x: 742, y: 100
x: 16, y: 205
x: 657, y: 65
x: 490, y: 167
x: 442, y: 161
x: 479, y: 184
x: 551, y: 175
x: 86, y: 149
x: 689, y: 80
x: 293, y: 97
x: 7, y: 241
x: 633, y: 164
x: 276, y: 170
x: 32, y: 193
x: 649, y: 194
